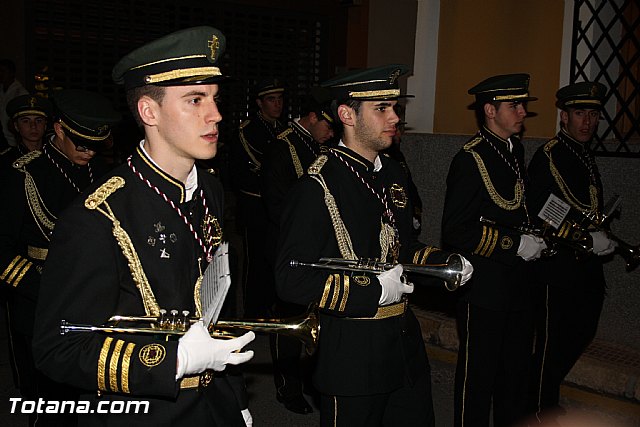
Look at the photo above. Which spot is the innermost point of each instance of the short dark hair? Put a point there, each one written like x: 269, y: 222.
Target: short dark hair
x: 154, y: 92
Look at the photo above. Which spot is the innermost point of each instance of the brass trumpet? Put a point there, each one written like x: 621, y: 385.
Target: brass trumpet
x: 306, y: 328
x: 450, y: 272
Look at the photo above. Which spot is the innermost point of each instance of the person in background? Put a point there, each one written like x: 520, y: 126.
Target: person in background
x: 9, y: 89
x: 139, y: 241
x: 569, y: 303
x: 28, y: 116
x: 255, y: 135
x: 286, y: 160
x: 372, y: 367
x: 37, y: 188
x: 487, y: 178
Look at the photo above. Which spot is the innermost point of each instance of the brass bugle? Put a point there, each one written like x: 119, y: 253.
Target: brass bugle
x: 450, y: 271
x: 305, y: 328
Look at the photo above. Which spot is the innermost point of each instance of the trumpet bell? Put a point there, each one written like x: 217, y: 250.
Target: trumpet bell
x: 305, y: 328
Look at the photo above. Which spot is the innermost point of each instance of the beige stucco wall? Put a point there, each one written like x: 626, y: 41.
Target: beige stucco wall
x: 478, y: 39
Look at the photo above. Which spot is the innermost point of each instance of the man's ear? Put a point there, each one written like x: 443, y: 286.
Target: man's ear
x: 489, y: 110
x: 148, y: 110
x: 59, y: 131
x: 346, y: 114
x: 564, y: 117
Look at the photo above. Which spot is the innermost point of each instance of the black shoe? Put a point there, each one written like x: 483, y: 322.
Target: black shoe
x: 296, y: 403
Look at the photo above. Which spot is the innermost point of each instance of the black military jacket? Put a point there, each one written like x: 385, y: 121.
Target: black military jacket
x: 482, y: 182
x: 247, y: 153
x: 38, y: 187
x: 287, y: 159
x: 355, y: 356
x: 125, y: 250
x: 10, y: 155
x: 566, y: 168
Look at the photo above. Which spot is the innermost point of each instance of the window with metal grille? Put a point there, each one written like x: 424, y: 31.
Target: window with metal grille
x: 606, y: 48
x: 76, y: 43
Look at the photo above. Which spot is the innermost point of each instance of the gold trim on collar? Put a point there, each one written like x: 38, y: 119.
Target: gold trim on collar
x: 351, y: 157
x: 163, y: 174
x: 182, y: 73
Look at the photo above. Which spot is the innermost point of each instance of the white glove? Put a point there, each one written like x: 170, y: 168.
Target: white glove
x: 392, y: 285
x: 602, y: 244
x: 531, y: 247
x: 248, y: 419
x: 467, y: 270
x: 197, y: 351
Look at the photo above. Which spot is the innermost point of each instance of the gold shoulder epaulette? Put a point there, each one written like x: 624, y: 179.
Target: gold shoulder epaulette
x: 26, y: 159
x: 284, y: 133
x: 469, y: 145
x: 317, y: 165
x: 550, y: 144
x: 105, y: 190
x: 243, y: 124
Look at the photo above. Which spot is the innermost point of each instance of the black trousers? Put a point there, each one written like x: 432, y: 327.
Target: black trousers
x: 409, y: 406
x: 286, y: 354
x: 566, y: 322
x: 493, y: 366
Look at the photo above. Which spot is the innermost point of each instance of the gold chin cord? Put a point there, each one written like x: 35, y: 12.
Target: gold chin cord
x: 305, y: 328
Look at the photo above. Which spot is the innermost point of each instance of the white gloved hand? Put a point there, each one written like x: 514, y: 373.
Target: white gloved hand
x: 248, y: 419
x: 531, y: 247
x: 602, y: 244
x: 197, y: 351
x: 467, y: 270
x: 393, y: 286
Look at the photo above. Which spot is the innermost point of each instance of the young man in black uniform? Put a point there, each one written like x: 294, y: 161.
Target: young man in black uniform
x: 255, y: 135
x: 37, y: 188
x: 29, y: 116
x: 495, y: 325
x: 570, y: 300
x: 372, y: 368
x: 286, y: 160
x: 138, y: 242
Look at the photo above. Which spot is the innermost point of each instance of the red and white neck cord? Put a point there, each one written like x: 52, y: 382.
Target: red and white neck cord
x: 207, y: 249
x: 387, y: 212
x: 46, y: 152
